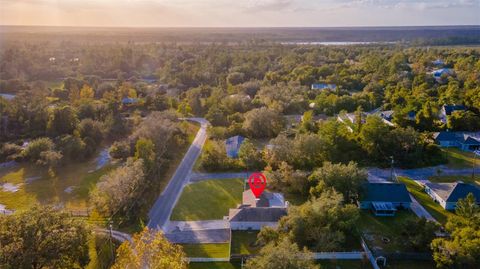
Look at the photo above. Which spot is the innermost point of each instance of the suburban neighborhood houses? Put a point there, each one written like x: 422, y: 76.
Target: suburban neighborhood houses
x: 462, y: 140
x: 240, y: 148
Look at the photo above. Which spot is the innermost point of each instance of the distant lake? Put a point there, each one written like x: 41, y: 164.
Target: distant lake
x: 334, y: 43
x: 7, y: 96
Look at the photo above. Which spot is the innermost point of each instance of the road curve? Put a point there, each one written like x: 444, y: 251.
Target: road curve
x: 162, y: 209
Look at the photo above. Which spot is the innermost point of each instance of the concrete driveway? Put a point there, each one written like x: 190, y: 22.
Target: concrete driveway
x: 162, y: 209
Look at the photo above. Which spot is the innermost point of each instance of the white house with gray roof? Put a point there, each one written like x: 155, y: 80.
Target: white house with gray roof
x: 448, y: 194
x: 253, y: 214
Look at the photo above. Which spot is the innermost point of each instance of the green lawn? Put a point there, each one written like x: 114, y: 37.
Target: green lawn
x: 409, y: 265
x: 207, y: 250
x: 466, y: 179
x: 36, y: 185
x: 243, y: 242
x: 460, y: 159
x: 426, y: 201
x: 374, y: 229
x: 208, y: 200
x: 214, y: 265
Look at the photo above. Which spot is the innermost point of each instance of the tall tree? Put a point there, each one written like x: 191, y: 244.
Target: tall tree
x: 285, y: 254
x: 150, y: 249
x: 41, y: 237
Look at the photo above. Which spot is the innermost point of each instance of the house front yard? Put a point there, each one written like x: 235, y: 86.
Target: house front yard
x: 208, y: 200
x: 221, y: 250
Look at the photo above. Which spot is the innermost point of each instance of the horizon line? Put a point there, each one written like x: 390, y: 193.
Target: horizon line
x: 237, y: 27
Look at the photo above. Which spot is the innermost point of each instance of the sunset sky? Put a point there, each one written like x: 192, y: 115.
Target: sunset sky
x: 236, y: 13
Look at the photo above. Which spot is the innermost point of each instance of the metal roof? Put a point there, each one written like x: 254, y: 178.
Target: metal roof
x: 386, y: 192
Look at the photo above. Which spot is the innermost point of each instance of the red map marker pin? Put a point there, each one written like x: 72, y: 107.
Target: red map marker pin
x: 257, y: 183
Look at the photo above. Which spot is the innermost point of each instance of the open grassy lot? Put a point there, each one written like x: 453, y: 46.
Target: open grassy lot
x: 207, y: 250
x: 345, y: 264
x: 466, y: 179
x: 460, y: 159
x: 433, y: 208
x: 243, y: 242
x: 376, y: 229
x: 208, y: 200
x: 69, y: 186
x: 409, y: 265
x: 214, y: 265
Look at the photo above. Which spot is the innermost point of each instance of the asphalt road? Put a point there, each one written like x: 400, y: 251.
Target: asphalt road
x: 162, y: 209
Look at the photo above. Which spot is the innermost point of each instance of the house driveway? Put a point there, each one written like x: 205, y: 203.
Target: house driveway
x: 199, y: 236
x: 198, y: 232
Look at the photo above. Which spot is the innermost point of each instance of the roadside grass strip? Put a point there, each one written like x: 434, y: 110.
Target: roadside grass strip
x: 449, y: 178
x: 460, y: 159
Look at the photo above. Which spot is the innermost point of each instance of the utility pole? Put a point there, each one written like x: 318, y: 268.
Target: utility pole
x: 391, y: 170
x: 111, y: 242
x: 475, y: 154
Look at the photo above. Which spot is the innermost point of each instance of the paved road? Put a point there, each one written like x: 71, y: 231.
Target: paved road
x: 420, y: 211
x: 119, y: 236
x: 376, y: 174
x: 199, y: 236
x: 194, y: 177
x: 162, y: 209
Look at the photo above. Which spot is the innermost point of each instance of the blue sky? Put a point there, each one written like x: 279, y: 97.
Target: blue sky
x: 237, y: 13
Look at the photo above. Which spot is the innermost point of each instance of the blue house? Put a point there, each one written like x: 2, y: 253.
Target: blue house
x: 437, y: 74
x: 384, y: 199
x: 129, y: 101
x: 323, y: 86
x: 448, y: 194
x: 462, y: 140
x: 232, y: 145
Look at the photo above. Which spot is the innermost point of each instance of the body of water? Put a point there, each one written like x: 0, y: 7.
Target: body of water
x: 7, y: 96
x: 334, y: 43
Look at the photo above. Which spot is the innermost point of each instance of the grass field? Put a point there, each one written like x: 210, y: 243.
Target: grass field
x: 466, y: 179
x: 36, y: 185
x: 374, y: 229
x: 208, y: 200
x: 243, y: 242
x: 409, y: 265
x: 460, y: 159
x: 207, y: 250
x: 214, y: 265
x: 426, y: 201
